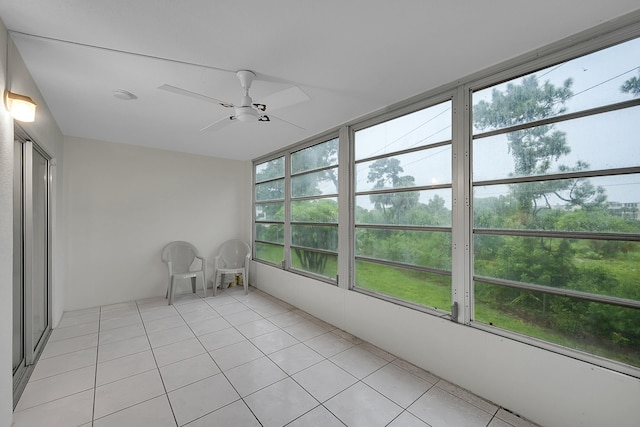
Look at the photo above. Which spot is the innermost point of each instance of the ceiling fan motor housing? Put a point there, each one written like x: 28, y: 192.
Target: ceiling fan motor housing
x: 246, y: 114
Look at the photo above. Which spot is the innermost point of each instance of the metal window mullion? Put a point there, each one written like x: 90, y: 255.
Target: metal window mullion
x: 268, y: 202
x: 557, y: 176
x: 403, y: 265
x: 254, y: 202
x: 406, y: 151
x: 28, y: 251
x: 318, y: 197
x: 405, y: 227
x: 570, y: 293
x: 624, y: 237
x: 460, y: 226
x: 404, y: 189
x: 266, y: 242
x: 319, y: 224
x: 561, y: 118
x: 317, y: 250
x: 345, y: 212
x: 312, y: 171
x: 286, y: 262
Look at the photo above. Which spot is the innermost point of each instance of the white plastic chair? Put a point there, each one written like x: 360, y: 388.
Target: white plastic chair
x: 180, y: 258
x: 233, y: 258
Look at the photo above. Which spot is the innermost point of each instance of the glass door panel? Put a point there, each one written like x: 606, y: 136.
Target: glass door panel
x: 40, y: 247
x: 18, y: 261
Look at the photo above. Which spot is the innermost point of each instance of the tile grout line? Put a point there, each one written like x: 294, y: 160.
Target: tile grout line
x: 166, y: 393
x: 95, y: 377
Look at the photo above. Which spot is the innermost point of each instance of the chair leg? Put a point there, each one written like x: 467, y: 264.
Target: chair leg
x: 171, y: 290
x: 193, y: 284
x: 246, y: 279
x: 217, y: 281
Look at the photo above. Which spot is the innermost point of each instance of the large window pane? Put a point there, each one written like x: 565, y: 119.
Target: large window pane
x: 315, y: 184
x: 315, y: 262
x: 272, y: 190
x: 273, y: 254
x: 270, y: 211
x: 317, y: 210
x: 427, y: 167
x: 428, y: 126
x: 601, y: 204
x: 586, y: 82
x: 316, y: 157
x: 270, y: 233
x: 602, y: 141
x: 421, y: 208
x: 269, y: 170
x: 604, y: 267
x: 419, y: 248
x: 315, y: 236
x: 600, y: 329
x: 427, y: 289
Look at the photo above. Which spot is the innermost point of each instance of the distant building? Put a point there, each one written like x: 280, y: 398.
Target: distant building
x: 628, y: 210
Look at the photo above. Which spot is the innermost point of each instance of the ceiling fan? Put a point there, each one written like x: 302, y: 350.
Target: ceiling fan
x: 247, y: 110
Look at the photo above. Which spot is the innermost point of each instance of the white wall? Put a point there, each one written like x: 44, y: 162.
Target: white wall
x: 124, y: 203
x: 6, y: 248
x: 46, y: 133
x: 545, y: 387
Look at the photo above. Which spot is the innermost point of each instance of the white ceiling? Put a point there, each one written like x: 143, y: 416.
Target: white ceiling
x: 351, y: 57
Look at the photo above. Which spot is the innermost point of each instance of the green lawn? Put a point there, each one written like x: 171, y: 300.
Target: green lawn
x: 433, y: 290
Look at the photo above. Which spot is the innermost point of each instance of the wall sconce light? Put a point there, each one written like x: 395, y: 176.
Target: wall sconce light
x: 21, y: 107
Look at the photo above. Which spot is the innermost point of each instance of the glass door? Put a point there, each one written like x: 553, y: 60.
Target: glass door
x: 32, y: 257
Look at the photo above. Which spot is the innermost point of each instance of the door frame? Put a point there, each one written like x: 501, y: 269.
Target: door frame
x: 32, y: 352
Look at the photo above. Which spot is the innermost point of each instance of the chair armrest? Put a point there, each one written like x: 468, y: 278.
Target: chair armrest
x: 203, y: 260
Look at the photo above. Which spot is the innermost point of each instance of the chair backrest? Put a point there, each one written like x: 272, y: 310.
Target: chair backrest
x: 233, y: 253
x: 180, y: 254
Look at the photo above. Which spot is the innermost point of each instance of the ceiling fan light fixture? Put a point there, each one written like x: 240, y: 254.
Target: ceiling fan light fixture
x: 246, y: 114
x: 21, y: 107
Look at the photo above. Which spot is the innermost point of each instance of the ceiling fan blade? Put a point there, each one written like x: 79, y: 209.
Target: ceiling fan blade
x: 285, y: 98
x: 225, y: 121
x: 278, y: 119
x: 185, y: 92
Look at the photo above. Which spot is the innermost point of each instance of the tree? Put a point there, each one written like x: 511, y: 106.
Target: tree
x: 385, y: 173
x: 632, y: 85
x: 323, y: 236
x: 536, y: 150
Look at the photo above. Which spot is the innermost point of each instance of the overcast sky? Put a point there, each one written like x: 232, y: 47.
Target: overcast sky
x: 609, y: 140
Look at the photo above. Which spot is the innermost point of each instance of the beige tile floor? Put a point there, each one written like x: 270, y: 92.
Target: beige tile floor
x: 232, y: 360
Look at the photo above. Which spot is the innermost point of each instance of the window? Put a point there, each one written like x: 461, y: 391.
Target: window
x: 556, y: 179
x: 269, y: 211
x: 513, y: 198
x: 296, y: 210
x: 314, y: 209
x: 403, y: 207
